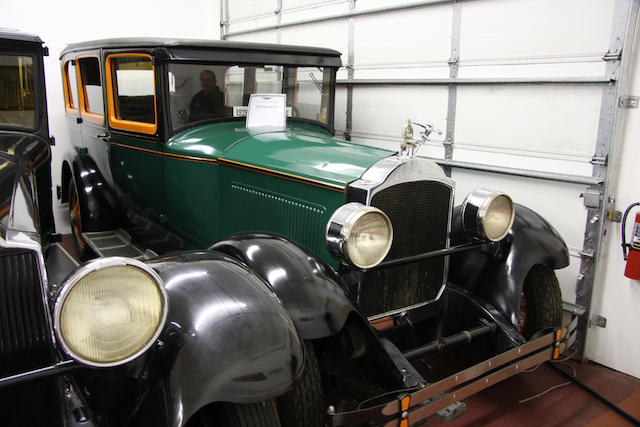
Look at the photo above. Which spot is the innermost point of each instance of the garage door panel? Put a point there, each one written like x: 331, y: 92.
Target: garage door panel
x: 385, y: 110
x: 332, y: 34
x: 406, y: 37
x: 535, y: 28
x: 548, y: 119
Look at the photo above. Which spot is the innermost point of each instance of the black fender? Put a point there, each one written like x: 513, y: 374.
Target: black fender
x: 227, y: 337
x: 308, y: 287
x: 497, y: 272
x: 101, y: 209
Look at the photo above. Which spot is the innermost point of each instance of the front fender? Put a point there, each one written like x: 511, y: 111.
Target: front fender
x: 497, y: 273
x: 307, y: 286
x: 228, y: 337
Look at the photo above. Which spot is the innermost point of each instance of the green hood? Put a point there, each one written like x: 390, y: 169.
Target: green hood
x: 298, y: 150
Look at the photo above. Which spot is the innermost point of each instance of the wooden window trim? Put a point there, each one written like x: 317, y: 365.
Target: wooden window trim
x: 148, y: 128
x: 68, y: 101
x: 88, y: 115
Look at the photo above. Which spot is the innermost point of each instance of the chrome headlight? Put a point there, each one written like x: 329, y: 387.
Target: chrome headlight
x: 487, y: 214
x: 110, y: 311
x: 360, y: 235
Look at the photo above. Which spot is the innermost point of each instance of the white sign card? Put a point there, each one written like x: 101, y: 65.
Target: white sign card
x: 267, y: 110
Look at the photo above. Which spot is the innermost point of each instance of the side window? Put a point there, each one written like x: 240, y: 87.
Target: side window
x: 17, y: 91
x: 91, y: 86
x: 131, y: 92
x: 70, y: 86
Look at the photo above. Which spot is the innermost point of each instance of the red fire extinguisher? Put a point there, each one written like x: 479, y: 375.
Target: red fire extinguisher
x: 632, y: 271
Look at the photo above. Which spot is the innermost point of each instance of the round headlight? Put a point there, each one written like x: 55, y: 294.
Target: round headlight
x: 360, y: 235
x: 487, y: 214
x: 110, y: 311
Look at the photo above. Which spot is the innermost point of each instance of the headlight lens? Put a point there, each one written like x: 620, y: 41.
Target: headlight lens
x: 488, y: 214
x: 361, y: 235
x: 110, y: 311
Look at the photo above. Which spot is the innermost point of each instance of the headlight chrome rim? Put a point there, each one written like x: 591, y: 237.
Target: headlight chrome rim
x: 94, y: 266
x: 339, y: 229
x: 475, y: 210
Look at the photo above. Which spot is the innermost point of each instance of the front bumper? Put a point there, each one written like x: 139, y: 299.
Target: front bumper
x: 410, y: 408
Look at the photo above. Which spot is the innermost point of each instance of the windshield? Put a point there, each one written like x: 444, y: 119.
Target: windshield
x: 212, y: 91
x: 17, y: 91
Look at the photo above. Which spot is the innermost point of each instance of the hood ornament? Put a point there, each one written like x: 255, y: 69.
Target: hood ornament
x: 409, y: 146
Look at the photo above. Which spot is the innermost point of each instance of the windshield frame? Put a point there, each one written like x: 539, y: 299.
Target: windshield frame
x: 165, y: 94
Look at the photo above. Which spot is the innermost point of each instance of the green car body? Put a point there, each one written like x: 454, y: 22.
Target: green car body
x: 284, y: 182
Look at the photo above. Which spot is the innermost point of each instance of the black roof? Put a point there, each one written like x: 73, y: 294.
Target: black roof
x: 149, y: 42
x: 10, y: 34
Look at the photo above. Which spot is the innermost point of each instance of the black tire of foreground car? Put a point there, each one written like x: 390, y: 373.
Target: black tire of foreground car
x: 75, y: 215
x: 541, y: 305
x: 304, y: 406
x: 262, y: 414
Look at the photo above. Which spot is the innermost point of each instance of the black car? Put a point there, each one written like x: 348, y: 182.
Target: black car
x: 259, y: 329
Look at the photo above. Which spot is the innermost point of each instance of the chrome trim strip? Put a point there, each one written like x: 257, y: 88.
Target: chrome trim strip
x: 395, y: 170
x: 98, y: 264
x: 402, y: 310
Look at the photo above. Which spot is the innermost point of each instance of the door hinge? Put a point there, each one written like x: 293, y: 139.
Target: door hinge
x: 599, y: 321
x: 591, y: 198
x: 629, y: 102
x: 614, y: 216
x: 616, y: 55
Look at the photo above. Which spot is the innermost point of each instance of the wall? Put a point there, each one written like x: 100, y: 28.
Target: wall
x: 70, y: 21
x: 616, y: 297
x: 546, y: 128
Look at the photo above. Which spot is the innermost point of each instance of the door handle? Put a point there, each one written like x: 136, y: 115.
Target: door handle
x: 106, y: 137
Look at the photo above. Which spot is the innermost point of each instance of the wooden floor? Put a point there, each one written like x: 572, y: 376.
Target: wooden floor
x: 569, y: 405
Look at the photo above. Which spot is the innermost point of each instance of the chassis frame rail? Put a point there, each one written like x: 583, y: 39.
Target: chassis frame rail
x: 410, y: 408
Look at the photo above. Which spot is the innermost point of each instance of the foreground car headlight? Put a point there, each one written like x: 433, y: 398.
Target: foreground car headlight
x: 360, y: 235
x: 110, y: 311
x: 487, y: 214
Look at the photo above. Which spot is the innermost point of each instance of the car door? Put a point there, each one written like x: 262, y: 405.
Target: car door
x: 135, y: 149
x: 91, y: 123
x: 72, y: 101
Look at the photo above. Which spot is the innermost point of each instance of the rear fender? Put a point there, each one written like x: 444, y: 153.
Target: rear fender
x: 307, y: 286
x: 228, y: 337
x: 497, y: 272
x: 99, y: 204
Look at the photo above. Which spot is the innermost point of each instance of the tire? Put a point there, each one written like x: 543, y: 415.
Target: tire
x: 75, y: 220
x: 304, y: 405
x: 262, y: 414
x: 541, y: 302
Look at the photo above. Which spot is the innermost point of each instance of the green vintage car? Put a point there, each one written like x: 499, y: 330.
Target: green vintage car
x: 230, y: 146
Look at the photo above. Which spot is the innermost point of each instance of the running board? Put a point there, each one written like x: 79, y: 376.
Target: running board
x: 115, y: 243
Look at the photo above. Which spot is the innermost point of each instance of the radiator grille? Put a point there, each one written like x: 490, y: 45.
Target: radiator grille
x: 25, y: 342
x: 419, y: 212
x: 25, y: 338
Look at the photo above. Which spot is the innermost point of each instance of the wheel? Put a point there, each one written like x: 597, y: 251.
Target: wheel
x: 75, y: 220
x: 541, y: 301
x: 304, y: 406
x: 262, y: 414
